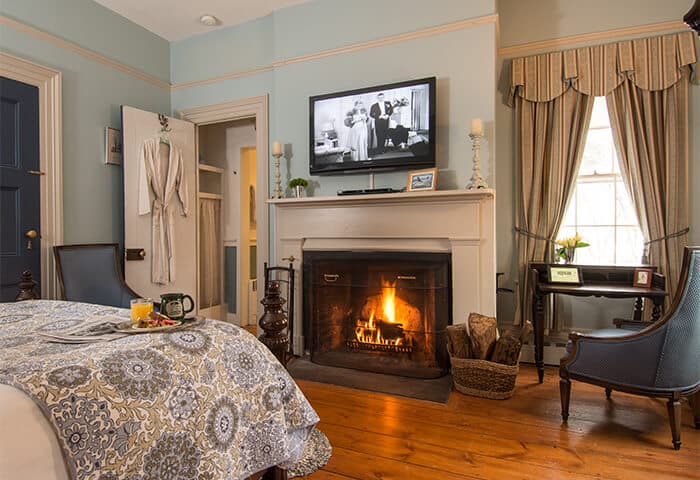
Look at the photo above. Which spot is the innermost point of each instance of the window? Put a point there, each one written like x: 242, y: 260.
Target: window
x: 601, y: 209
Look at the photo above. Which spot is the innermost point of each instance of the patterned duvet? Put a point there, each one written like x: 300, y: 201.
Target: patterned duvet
x: 210, y: 402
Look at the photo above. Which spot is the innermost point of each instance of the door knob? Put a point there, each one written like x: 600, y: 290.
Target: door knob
x: 31, y: 234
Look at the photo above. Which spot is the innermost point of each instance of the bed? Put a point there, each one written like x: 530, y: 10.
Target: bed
x: 206, y: 402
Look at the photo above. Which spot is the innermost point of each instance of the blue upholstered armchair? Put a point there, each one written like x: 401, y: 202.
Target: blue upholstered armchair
x: 663, y: 360
x: 92, y: 274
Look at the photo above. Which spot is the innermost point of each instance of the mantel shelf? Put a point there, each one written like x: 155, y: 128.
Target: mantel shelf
x: 401, y: 197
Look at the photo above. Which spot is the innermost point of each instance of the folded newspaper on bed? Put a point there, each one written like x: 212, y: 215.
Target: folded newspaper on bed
x: 90, y: 331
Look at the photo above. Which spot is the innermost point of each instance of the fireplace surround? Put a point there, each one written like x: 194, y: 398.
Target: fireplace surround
x: 460, y: 223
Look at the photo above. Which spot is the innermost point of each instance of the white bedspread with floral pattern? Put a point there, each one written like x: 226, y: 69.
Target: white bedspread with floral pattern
x: 209, y: 402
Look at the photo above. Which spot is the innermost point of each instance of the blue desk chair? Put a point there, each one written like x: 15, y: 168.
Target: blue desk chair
x: 92, y: 274
x: 662, y: 360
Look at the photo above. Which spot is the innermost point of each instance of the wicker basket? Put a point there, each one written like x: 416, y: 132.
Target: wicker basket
x: 483, y: 378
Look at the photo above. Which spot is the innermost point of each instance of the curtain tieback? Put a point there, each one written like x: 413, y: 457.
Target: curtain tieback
x: 524, y: 232
x: 668, y: 237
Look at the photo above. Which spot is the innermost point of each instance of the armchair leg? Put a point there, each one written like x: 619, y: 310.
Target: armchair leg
x: 695, y: 405
x: 608, y: 392
x: 565, y: 394
x: 674, y: 417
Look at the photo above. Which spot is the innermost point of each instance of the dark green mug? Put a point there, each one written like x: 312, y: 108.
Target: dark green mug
x: 173, y: 305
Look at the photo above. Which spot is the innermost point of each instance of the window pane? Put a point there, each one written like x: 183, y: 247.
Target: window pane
x: 630, y: 245
x: 625, y: 210
x: 595, y: 203
x: 597, y: 153
x: 601, y: 210
x: 599, y: 116
x: 602, y: 248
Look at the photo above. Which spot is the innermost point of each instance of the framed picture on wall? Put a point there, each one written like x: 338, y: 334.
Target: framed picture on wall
x: 113, y: 146
x: 421, y: 180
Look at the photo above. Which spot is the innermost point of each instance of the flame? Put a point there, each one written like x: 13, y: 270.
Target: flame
x: 369, y: 331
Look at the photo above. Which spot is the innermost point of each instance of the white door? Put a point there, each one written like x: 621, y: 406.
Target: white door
x: 139, y: 126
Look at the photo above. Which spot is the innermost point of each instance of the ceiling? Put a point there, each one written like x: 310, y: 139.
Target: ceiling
x: 178, y: 19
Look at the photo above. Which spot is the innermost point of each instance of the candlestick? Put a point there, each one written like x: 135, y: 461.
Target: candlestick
x: 277, y: 153
x: 477, y: 180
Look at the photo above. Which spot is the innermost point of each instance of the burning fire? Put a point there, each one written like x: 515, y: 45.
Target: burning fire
x: 382, y: 328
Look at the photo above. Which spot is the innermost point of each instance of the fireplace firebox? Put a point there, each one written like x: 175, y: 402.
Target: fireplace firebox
x: 383, y: 312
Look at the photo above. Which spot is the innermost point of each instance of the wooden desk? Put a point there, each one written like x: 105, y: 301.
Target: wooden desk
x: 598, y: 281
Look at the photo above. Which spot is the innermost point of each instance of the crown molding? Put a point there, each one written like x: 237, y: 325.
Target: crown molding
x: 403, y: 37
x: 606, y: 35
x: 73, y: 47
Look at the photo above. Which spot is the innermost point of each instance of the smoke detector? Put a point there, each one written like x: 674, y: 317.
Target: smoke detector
x: 209, y: 20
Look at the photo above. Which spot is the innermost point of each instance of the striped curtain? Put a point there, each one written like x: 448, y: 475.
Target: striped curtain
x: 553, y: 93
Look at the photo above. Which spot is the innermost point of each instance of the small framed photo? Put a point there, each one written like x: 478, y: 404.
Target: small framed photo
x: 570, y: 275
x: 642, y: 277
x: 113, y: 146
x: 422, y: 180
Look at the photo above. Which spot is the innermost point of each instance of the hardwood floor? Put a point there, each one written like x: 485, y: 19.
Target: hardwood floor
x: 378, y: 436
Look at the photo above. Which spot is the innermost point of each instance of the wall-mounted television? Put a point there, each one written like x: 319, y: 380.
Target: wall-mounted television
x: 375, y: 128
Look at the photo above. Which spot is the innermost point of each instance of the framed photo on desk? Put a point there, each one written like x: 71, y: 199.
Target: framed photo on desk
x: 642, y: 277
x: 568, y: 275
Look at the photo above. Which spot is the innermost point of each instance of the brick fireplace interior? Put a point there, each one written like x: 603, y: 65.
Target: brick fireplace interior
x: 382, y: 312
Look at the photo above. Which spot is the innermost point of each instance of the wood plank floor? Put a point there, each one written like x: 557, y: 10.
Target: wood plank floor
x: 377, y: 436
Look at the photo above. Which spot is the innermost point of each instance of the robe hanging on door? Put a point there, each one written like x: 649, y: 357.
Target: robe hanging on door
x: 163, y: 178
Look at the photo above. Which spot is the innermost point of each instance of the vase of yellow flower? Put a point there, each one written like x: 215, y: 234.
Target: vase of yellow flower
x: 566, y: 249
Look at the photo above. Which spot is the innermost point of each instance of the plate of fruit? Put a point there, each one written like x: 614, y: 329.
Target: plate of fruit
x: 155, y: 322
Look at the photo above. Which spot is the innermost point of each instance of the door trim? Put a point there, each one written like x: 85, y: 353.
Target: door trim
x: 253, y: 107
x: 48, y: 82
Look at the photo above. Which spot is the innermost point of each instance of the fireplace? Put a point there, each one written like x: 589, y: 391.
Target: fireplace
x: 383, y: 312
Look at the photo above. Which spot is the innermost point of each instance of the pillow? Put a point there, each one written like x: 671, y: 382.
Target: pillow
x: 482, y: 335
x: 459, y: 340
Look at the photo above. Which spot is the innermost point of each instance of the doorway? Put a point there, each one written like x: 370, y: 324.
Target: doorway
x: 20, y: 247
x: 48, y: 82
x: 228, y: 244
x: 244, y: 226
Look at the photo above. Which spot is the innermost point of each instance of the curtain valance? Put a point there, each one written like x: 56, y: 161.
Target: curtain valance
x: 653, y: 63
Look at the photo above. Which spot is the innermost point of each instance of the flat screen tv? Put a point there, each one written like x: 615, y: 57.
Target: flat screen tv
x: 374, y: 128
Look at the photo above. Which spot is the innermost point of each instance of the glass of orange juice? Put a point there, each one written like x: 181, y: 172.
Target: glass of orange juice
x: 140, y: 308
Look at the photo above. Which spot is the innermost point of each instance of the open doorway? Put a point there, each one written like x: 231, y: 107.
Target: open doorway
x: 233, y: 213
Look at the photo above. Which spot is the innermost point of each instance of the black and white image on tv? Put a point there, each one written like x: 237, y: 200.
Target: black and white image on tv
x: 384, y: 124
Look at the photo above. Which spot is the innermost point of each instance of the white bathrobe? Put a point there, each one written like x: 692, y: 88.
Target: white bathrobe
x: 163, y: 178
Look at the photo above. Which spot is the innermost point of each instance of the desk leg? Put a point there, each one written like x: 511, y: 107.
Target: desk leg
x: 638, y: 308
x: 538, y: 325
x: 656, y: 313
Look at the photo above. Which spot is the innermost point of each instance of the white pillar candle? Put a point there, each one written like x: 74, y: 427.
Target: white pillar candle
x: 276, y: 148
x: 477, y: 127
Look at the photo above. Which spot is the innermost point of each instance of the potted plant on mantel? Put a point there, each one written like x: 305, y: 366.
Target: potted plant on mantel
x: 298, y: 185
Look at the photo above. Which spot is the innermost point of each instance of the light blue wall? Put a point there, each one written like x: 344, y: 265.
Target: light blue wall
x: 92, y: 95
x: 96, y: 28
x: 463, y: 61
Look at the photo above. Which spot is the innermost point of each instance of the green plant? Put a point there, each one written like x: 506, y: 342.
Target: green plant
x: 298, y: 182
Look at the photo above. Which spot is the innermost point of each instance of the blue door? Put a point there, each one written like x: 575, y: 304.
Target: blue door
x: 19, y: 185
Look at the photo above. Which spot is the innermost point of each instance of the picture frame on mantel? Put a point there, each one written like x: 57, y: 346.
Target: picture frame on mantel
x: 422, y: 180
x: 113, y: 146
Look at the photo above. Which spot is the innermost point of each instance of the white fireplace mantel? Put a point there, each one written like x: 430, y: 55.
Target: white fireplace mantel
x: 461, y: 222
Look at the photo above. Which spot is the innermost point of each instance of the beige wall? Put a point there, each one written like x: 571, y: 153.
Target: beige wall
x: 526, y: 21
